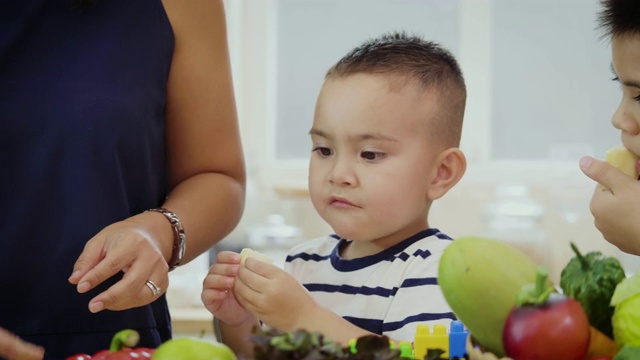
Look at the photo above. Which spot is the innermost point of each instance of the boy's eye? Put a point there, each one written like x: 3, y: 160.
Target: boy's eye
x: 324, y: 151
x: 371, y: 155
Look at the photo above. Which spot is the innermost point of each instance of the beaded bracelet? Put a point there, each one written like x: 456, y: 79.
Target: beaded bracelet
x: 179, y: 237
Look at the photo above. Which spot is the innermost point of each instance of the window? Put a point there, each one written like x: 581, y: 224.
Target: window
x: 537, y: 73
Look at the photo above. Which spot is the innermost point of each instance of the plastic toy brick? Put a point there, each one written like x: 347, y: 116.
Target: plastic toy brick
x: 457, y: 339
x: 426, y: 340
x: 352, y: 346
x: 406, y: 350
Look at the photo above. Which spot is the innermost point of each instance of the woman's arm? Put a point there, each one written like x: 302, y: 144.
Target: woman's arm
x: 205, y: 168
x: 204, y: 151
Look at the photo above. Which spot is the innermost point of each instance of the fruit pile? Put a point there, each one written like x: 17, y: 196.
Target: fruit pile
x: 512, y: 309
x: 122, y: 348
x: 503, y: 298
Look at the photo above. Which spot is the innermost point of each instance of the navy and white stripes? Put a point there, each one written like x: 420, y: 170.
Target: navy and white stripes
x: 387, y: 293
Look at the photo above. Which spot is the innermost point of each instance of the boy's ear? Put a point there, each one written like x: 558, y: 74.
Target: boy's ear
x: 451, y: 164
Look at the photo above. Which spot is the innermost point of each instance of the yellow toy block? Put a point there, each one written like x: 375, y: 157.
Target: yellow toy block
x: 426, y: 340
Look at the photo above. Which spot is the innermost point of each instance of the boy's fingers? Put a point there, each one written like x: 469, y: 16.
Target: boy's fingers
x: 601, y: 172
x: 228, y: 257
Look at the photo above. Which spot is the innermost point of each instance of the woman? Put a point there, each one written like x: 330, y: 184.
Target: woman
x: 109, y: 111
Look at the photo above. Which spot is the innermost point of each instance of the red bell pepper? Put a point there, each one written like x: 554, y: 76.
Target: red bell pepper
x: 121, y: 348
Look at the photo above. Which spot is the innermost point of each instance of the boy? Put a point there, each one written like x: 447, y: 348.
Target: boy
x: 616, y: 211
x: 385, y: 136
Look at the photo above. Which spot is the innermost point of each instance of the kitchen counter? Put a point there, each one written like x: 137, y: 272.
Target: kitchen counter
x: 193, y: 321
x: 189, y: 317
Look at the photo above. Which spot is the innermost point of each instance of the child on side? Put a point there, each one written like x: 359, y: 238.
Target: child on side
x: 616, y: 204
x: 385, y: 136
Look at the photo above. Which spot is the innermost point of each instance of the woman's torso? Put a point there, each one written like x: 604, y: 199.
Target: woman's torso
x: 82, y: 102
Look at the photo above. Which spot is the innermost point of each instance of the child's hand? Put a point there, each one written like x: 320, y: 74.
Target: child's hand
x: 217, y: 290
x: 273, y: 295
x: 615, y: 204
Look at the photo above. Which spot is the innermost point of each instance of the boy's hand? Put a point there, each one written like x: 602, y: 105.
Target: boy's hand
x: 615, y: 204
x: 273, y: 295
x: 217, y: 290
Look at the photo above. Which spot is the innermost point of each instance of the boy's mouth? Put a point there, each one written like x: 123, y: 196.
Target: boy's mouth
x: 340, y: 201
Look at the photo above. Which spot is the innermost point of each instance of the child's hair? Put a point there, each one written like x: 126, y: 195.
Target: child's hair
x: 619, y: 17
x: 410, y: 58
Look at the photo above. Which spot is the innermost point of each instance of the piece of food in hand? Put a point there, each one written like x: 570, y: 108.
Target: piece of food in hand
x: 626, y: 315
x: 623, y: 159
x: 190, y: 348
x: 546, y: 325
x: 247, y: 253
x: 591, y: 279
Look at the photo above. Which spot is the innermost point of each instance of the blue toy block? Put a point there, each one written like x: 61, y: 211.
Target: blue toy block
x: 457, y: 339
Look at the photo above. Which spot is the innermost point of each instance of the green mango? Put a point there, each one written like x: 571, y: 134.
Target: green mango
x: 189, y: 348
x: 480, y: 279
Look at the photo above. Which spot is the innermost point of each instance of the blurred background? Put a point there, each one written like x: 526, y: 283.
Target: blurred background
x: 540, y: 96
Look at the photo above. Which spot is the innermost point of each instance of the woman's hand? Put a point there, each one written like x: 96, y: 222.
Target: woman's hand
x: 134, y: 246
x: 217, y: 290
x: 615, y: 204
x: 12, y: 347
x: 274, y: 296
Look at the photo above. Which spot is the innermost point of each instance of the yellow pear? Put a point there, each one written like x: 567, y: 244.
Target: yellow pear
x: 623, y: 159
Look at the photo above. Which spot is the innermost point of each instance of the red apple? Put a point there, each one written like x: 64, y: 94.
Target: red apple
x: 554, y: 328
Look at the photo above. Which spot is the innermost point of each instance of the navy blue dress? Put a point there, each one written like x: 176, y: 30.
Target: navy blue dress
x: 82, y: 108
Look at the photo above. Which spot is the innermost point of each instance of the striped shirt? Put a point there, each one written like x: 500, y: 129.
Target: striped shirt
x: 389, y: 293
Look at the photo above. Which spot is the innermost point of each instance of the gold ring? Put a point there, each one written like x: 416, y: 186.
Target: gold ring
x: 155, y: 289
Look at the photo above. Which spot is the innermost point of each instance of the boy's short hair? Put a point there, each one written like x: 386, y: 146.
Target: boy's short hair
x: 414, y: 59
x: 619, y: 17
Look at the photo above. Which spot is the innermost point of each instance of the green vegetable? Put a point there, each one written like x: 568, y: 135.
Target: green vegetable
x: 124, y: 338
x: 301, y: 344
x: 628, y: 353
x: 626, y: 317
x: 591, y: 279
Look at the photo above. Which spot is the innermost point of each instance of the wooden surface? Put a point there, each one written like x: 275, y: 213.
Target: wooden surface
x: 191, y: 321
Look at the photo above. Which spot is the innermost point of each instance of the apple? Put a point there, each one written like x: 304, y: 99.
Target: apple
x: 189, y: 348
x: 546, y: 325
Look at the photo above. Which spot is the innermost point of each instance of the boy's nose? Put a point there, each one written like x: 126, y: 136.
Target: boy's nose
x: 342, y: 173
x: 626, y: 121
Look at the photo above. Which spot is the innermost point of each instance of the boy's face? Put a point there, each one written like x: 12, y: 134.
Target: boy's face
x: 372, y: 160
x: 625, y: 52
